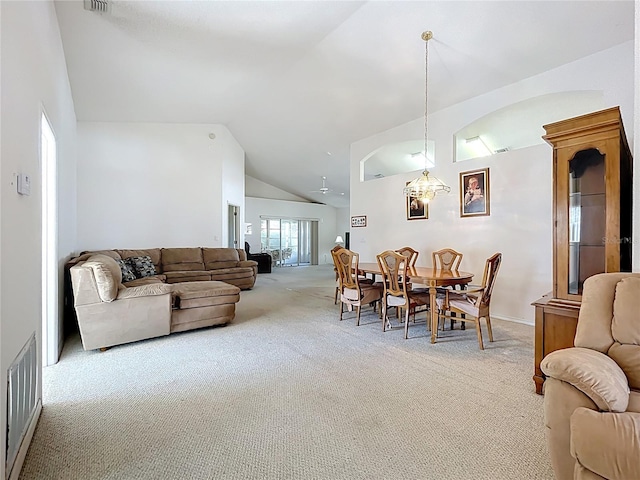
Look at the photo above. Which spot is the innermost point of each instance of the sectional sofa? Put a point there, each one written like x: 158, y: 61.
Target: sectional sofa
x: 122, y: 296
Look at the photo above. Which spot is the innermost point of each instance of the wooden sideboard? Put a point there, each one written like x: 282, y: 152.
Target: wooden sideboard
x: 555, y: 328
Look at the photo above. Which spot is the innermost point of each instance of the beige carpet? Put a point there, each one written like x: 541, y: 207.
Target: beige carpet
x: 288, y: 392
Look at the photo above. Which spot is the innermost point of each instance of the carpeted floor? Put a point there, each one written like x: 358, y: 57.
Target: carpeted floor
x: 288, y: 392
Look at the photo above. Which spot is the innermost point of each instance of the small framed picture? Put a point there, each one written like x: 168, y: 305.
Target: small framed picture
x: 416, y: 208
x: 474, y: 193
x: 359, y: 221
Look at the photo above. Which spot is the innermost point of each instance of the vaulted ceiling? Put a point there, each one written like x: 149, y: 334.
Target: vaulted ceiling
x: 296, y: 82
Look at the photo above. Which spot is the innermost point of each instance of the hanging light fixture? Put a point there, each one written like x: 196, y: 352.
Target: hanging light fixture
x: 426, y: 186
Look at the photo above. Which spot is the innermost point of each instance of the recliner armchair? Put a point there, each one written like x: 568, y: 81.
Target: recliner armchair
x: 592, y: 390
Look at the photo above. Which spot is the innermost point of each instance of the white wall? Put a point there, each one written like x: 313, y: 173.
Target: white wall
x: 520, y: 222
x: 325, y: 214
x: 232, y: 178
x: 156, y: 185
x: 259, y: 189
x: 33, y: 77
x: 343, y: 221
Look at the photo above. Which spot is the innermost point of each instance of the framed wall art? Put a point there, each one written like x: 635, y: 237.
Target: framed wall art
x: 474, y: 193
x: 416, y: 208
x: 359, y: 221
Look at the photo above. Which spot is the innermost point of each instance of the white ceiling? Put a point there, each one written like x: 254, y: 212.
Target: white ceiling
x: 293, y: 80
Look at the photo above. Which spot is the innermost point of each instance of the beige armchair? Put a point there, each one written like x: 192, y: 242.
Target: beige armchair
x: 592, y: 390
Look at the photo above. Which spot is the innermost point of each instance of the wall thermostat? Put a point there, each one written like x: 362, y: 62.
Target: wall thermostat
x: 24, y: 184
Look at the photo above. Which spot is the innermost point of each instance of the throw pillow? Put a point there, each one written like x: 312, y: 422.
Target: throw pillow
x: 128, y: 274
x: 142, y: 266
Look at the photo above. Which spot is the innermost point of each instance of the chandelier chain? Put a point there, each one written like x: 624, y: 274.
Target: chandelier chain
x: 426, y: 99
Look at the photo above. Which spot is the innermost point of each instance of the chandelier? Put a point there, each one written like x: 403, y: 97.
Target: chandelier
x: 426, y: 186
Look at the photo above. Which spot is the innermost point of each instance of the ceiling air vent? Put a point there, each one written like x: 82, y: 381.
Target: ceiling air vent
x: 500, y: 150
x: 100, y: 6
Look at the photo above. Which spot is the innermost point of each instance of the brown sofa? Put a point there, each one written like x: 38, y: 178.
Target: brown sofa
x: 592, y: 390
x: 182, y: 289
x: 175, y: 265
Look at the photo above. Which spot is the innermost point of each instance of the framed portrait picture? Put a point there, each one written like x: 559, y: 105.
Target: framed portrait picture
x: 416, y: 209
x: 359, y: 221
x: 474, y: 193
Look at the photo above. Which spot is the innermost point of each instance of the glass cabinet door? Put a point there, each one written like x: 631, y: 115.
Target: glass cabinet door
x: 587, y: 218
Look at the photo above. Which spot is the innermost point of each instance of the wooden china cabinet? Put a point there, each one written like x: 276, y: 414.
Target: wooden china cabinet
x: 592, y: 220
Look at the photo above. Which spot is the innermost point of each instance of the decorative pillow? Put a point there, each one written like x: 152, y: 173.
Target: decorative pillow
x: 142, y: 266
x: 128, y: 273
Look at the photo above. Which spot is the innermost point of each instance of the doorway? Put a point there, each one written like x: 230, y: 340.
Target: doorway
x: 234, y: 227
x: 49, y: 208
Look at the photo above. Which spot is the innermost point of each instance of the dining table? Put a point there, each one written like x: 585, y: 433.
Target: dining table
x: 432, y: 278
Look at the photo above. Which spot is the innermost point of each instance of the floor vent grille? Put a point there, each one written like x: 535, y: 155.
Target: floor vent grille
x: 22, y: 384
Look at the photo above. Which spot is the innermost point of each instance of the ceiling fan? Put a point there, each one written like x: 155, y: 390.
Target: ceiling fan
x: 324, y: 189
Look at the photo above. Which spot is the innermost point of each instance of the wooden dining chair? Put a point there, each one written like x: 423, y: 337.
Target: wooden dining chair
x: 412, y: 257
x: 393, y: 267
x: 354, y: 292
x: 475, y: 301
x: 446, y: 259
x: 410, y: 253
x: 335, y: 269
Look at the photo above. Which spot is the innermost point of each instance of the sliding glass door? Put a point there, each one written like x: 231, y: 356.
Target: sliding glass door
x: 288, y: 240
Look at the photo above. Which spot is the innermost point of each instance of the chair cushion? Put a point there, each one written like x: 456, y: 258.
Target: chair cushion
x: 625, y: 326
x: 459, y: 301
x: 606, y: 443
x: 625, y: 329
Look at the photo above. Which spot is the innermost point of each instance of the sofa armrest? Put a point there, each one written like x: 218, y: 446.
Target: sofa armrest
x: 247, y: 263
x: 144, y: 290
x: 606, y: 443
x: 591, y: 372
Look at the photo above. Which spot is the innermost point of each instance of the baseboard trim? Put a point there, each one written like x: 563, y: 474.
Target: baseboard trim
x: 514, y: 320
x: 26, y: 442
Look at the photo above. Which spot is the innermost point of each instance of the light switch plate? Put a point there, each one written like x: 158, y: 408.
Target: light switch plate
x: 24, y: 184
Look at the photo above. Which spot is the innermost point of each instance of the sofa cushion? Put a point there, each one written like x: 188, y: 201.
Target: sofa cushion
x: 182, y: 259
x: 128, y: 274
x: 107, y: 274
x: 193, y: 276
x: 216, y: 258
x: 204, y: 294
x: 203, y: 289
x: 143, y: 266
x: 238, y: 272
x: 154, y: 253
x: 146, y: 281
